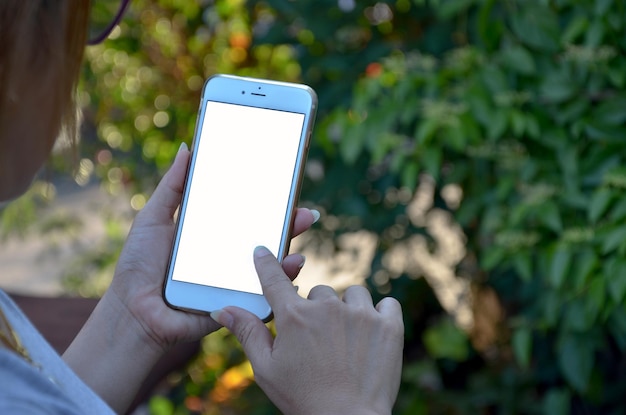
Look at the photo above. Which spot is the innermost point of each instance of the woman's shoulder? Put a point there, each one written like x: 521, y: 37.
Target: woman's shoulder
x: 7, y: 305
x: 39, y: 382
x: 26, y: 391
x: 21, y: 328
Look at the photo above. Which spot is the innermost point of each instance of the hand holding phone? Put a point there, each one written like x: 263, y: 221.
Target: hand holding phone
x: 249, y: 149
x: 132, y: 326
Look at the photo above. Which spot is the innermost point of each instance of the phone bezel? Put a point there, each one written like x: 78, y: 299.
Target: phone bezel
x: 257, y: 93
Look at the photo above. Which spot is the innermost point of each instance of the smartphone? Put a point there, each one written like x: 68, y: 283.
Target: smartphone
x: 243, y: 181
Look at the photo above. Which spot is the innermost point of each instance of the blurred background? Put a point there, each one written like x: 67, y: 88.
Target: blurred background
x: 468, y: 159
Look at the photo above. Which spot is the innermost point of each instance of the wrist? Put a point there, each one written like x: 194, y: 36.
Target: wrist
x: 354, y: 407
x: 112, y: 346
x: 353, y: 411
x: 139, y: 338
x: 357, y: 412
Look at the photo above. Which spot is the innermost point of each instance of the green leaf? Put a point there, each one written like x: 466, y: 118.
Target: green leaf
x: 576, y: 317
x: 599, y: 203
x: 445, y: 340
x: 618, y: 213
x: 519, y: 59
x: 617, y: 326
x: 523, y: 265
x: 597, y: 167
x: 505, y: 187
x: 575, y: 358
x: 490, y: 29
x: 492, y: 258
x: 612, y: 111
x: 455, y: 137
x: 557, y: 87
x: 522, y: 346
x: 583, y: 265
x: 616, y: 279
x: 431, y: 161
x: 518, y: 122
x: 160, y: 405
x: 577, y: 27
x: 470, y: 128
x: 567, y: 156
x: 537, y: 27
x: 595, y: 298
x: 561, y: 262
x: 551, y: 216
x: 595, y: 33
x: 556, y: 402
x: 532, y: 127
x: 351, y: 144
x: 480, y: 109
x: 552, y: 307
x: 520, y: 213
x: 571, y: 111
x: 614, y: 239
x: 602, y: 7
x: 495, y: 79
x: 452, y: 8
x: 383, y: 144
x: 617, y: 76
x: 615, y: 22
x: 604, y: 132
x: 426, y: 130
x: 497, y: 126
x: 410, y: 174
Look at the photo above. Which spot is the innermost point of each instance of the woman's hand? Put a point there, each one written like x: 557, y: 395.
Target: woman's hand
x: 132, y: 326
x: 140, y: 272
x: 330, y: 355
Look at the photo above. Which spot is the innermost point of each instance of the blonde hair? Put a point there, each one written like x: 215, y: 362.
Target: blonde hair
x: 42, y: 38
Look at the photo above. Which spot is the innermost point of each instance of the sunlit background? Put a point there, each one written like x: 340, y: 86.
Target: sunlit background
x: 467, y: 160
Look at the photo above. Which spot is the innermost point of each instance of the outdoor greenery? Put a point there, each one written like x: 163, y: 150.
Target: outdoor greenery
x: 519, y: 105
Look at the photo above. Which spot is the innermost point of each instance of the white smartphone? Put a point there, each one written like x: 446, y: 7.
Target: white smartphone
x: 243, y: 181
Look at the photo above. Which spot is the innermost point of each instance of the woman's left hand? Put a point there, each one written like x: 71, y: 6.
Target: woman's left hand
x: 132, y: 326
x: 141, y: 269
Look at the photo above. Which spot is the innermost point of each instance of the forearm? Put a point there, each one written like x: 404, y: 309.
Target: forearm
x: 112, y: 354
x: 353, y: 408
x: 354, y: 411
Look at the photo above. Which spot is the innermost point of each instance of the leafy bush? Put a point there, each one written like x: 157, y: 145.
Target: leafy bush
x: 521, y: 105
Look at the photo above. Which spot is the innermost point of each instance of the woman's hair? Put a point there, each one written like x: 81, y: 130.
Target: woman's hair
x: 42, y: 38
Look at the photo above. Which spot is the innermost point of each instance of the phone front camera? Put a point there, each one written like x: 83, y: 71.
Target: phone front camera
x: 243, y: 92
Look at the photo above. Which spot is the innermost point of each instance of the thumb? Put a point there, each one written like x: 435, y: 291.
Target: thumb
x: 166, y: 197
x: 254, y: 336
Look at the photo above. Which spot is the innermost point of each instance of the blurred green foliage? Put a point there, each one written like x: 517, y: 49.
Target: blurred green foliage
x: 520, y: 104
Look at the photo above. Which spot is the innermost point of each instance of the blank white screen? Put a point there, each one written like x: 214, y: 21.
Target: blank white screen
x: 239, y: 193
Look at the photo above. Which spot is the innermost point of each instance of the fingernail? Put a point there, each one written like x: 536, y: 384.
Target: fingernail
x: 183, y: 146
x: 261, y: 251
x: 316, y: 215
x: 222, y: 317
x: 301, y: 264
